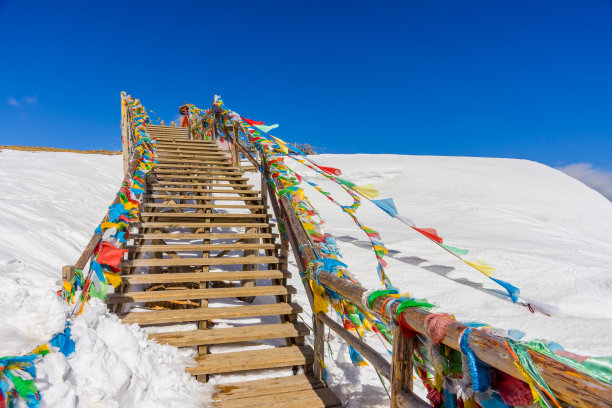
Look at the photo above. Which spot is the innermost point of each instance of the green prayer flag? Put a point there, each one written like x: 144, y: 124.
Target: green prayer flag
x: 457, y: 251
x: 266, y: 128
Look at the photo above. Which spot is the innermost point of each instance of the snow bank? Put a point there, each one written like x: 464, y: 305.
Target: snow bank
x: 50, y: 204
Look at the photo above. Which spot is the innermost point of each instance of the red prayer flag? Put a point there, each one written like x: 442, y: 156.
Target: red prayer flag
x: 514, y: 392
x: 110, y: 255
x: 331, y: 170
x: 252, y: 122
x: 430, y: 233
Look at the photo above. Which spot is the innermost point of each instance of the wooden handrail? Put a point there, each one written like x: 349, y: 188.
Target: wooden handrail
x: 568, y: 384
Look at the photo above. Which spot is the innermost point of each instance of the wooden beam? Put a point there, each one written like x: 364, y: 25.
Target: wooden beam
x: 379, y: 363
x: 402, y: 365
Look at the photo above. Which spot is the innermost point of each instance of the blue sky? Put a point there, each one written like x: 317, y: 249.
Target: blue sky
x: 519, y: 79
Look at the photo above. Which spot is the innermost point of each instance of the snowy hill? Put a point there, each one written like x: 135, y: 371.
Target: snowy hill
x: 545, y: 232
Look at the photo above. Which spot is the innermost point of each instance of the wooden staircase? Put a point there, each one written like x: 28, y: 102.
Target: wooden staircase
x: 205, y: 270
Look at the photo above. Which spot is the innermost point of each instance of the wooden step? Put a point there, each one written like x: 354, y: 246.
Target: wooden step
x: 202, y: 206
x: 203, y: 235
x: 187, y: 155
x: 190, y: 142
x: 201, y: 225
x: 200, y: 247
x: 187, y: 190
x: 200, y: 198
x: 196, y: 294
x: 287, y: 392
x: 198, y: 261
x: 231, y: 334
x: 172, y: 148
x: 256, y: 388
x: 172, y: 214
x: 229, y: 179
x: 168, y: 136
x: 203, y: 219
x: 184, y: 277
x: 206, y: 158
x: 162, y: 183
x: 209, y: 313
x: 195, y: 167
x: 180, y: 146
x: 202, y: 163
x: 253, y: 360
x: 313, y: 398
x: 192, y: 152
x: 199, y: 175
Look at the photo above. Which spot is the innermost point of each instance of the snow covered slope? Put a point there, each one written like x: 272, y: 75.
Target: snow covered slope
x: 545, y: 232
x: 50, y: 204
x: 542, y: 230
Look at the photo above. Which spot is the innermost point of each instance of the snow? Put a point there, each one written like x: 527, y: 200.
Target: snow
x: 50, y: 204
x: 543, y: 231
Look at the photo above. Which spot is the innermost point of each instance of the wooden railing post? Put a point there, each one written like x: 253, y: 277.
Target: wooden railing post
x: 213, y: 135
x: 125, y: 136
x: 235, y: 153
x: 401, y: 365
x: 67, y: 272
x: 319, y: 348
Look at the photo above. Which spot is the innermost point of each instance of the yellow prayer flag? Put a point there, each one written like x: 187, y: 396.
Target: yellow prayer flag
x: 113, y: 279
x: 482, y: 266
x: 282, y: 145
x: 42, y: 349
x: 368, y: 190
x: 107, y: 224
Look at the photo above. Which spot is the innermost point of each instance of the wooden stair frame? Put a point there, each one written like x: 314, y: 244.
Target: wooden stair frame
x: 194, y: 189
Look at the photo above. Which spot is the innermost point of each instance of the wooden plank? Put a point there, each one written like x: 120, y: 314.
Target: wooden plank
x: 252, y: 360
x: 220, y: 155
x: 410, y: 400
x: 168, y: 214
x: 371, y: 355
x: 268, y: 386
x: 208, y: 191
x: 231, y: 334
x: 208, y: 157
x: 202, y: 163
x: 313, y: 398
x: 182, y: 168
x: 249, y: 260
x: 198, y: 247
x: 201, y: 235
x: 199, y: 224
x: 211, y: 206
x: 174, y: 171
x: 200, y: 198
x: 187, y: 183
x: 187, y: 147
x: 190, y: 165
x: 181, y: 147
x: 209, y: 313
x: 195, y: 176
x: 196, y: 294
x: 182, y: 277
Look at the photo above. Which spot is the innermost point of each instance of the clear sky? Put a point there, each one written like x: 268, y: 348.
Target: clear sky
x: 523, y: 79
